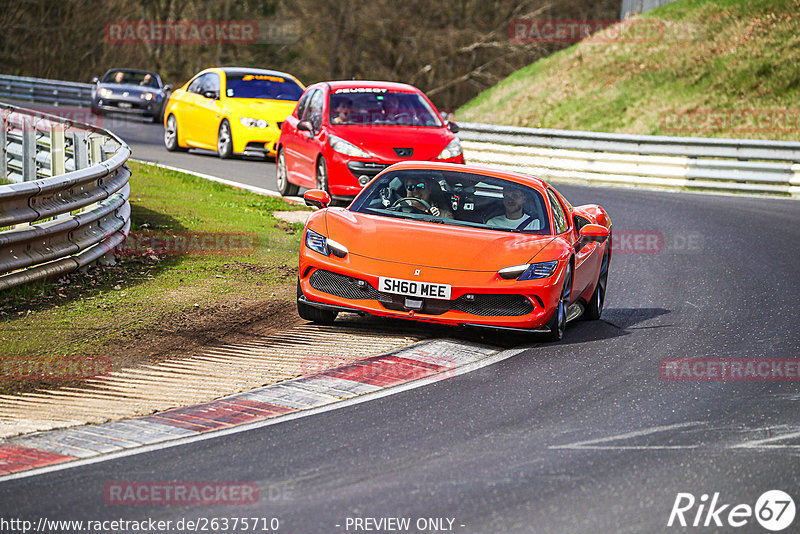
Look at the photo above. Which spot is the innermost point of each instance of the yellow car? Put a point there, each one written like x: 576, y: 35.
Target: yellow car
x: 231, y: 110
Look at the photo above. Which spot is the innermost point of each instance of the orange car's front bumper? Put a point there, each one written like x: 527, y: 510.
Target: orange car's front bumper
x: 532, y: 303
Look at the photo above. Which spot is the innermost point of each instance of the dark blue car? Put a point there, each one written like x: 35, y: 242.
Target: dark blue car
x: 132, y: 91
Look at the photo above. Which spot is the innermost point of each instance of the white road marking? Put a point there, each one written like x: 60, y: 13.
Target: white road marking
x: 593, y: 443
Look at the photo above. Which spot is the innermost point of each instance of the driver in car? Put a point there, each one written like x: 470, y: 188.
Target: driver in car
x: 515, y: 216
x: 426, y: 195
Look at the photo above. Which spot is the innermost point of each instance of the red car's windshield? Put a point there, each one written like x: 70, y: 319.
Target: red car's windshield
x: 380, y: 107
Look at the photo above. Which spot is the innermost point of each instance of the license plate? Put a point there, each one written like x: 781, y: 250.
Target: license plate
x: 125, y: 105
x: 414, y: 288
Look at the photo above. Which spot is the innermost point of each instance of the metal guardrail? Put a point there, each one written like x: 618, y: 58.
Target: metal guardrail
x: 42, y: 90
x: 69, y: 205
x: 734, y: 165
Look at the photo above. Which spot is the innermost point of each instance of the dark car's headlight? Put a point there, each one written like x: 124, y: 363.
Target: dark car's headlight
x: 147, y: 96
x: 325, y: 246
x: 105, y: 93
x: 529, y: 271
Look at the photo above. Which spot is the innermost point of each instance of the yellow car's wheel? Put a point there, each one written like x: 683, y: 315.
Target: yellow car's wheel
x: 225, y: 140
x: 171, y: 135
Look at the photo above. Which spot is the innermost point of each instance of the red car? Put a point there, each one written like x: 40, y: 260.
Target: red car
x: 456, y: 245
x: 342, y: 134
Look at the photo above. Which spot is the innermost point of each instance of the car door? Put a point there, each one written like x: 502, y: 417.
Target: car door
x: 307, y: 146
x: 290, y: 138
x: 585, y: 264
x: 208, y: 110
x: 185, y: 110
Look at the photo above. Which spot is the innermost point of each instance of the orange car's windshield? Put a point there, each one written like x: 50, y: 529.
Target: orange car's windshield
x: 456, y: 198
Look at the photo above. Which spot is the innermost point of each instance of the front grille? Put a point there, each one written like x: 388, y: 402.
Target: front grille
x: 365, y: 168
x: 342, y: 286
x: 499, y: 305
x: 482, y: 305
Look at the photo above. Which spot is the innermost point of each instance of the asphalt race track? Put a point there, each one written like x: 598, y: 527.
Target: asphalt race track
x: 578, y: 436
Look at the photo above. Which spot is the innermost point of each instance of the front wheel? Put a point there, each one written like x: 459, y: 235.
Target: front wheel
x: 285, y: 188
x: 310, y: 313
x: 322, y: 175
x: 558, y: 323
x: 595, y: 307
x: 224, y: 140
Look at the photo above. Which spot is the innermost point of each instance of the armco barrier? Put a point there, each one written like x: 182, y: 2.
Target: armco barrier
x: 69, y: 204
x: 734, y: 165
x: 41, y: 90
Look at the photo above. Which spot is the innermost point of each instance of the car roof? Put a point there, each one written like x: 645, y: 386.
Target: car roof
x: 392, y: 86
x: 523, y: 179
x: 247, y: 70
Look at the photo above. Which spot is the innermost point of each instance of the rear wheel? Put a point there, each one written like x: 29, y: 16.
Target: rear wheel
x: 224, y: 140
x: 595, y: 307
x: 310, y: 313
x: 284, y: 187
x: 558, y: 323
x: 322, y: 175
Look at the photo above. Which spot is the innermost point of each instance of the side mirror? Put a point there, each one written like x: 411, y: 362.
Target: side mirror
x: 592, y: 233
x: 305, y: 126
x: 211, y: 94
x: 167, y: 87
x: 95, y: 79
x: 317, y: 198
x: 453, y: 127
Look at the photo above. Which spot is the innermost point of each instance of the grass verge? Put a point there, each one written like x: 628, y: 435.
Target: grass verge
x: 156, y: 300
x: 722, y: 68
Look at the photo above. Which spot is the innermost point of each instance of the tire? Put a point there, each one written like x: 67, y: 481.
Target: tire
x: 310, y: 313
x: 558, y: 323
x: 595, y: 307
x: 171, y: 135
x: 322, y: 175
x: 224, y: 140
x: 285, y: 188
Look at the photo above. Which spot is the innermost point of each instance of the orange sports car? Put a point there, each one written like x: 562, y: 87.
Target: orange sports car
x: 459, y: 245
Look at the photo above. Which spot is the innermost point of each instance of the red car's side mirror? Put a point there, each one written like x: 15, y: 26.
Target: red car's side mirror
x: 305, y: 126
x: 317, y: 198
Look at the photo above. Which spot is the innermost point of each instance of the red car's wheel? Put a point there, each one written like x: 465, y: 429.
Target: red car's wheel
x: 558, y: 323
x: 595, y: 307
x: 285, y: 188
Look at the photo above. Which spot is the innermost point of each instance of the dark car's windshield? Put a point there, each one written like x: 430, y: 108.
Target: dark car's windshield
x: 376, y: 106
x: 267, y: 86
x: 457, y: 198
x: 145, y: 79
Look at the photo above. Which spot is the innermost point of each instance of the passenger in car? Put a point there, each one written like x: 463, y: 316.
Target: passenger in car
x: 515, y: 215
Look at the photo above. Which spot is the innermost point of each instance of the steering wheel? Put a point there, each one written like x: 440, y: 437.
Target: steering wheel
x: 409, y: 201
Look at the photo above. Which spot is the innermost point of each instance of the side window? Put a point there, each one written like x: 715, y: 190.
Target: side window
x: 301, y: 105
x: 212, y: 82
x: 313, y: 112
x: 197, y: 84
x: 559, y: 219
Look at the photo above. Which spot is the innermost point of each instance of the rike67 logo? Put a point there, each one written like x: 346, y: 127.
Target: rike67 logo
x: 774, y: 510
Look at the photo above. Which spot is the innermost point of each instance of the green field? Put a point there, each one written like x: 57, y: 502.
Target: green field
x: 161, y: 297
x: 726, y: 68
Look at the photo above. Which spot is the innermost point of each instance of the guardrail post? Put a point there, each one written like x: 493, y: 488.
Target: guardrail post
x: 57, y: 153
x: 4, y: 146
x: 28, y: 151
x: 80, y: 150
x: 95, y: 150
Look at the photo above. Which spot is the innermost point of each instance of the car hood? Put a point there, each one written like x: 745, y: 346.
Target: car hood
x: 131, y: 88
x: 261, y: 108
x: 427, y: 142
x: 431, y: 245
